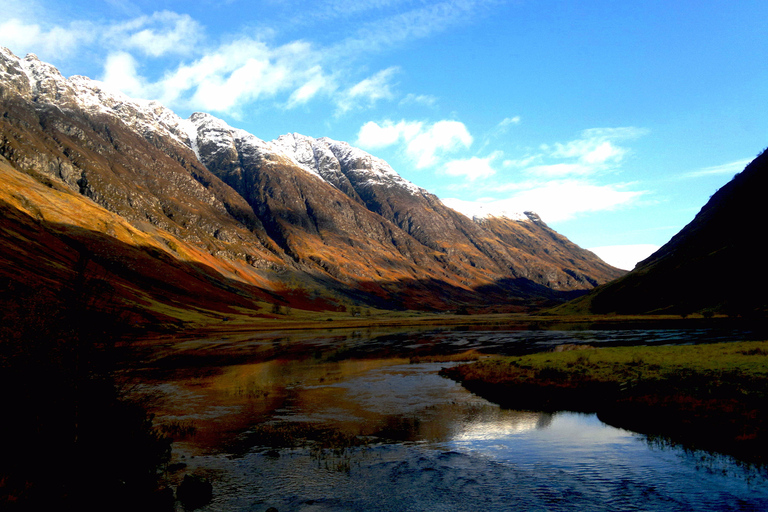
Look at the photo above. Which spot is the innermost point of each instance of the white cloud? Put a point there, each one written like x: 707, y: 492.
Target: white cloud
x: 472, y: 168
x: 230, y: 77
x: 373, y: 135
x: 48, y: 42
x: 595, y: 152
x: 317, y: 83
x: 235, y: 74
x: 271, y: 72
x: 559, y: 181
x: 162, y: 33
x: 368, y: 91
x: 423, y: 144
x: 408, y: 25
x: 624, y: 256
x: 120, y: 73
x: 507, y: 121
x: 526, y: 161
x: 441, y: 137
x: 561, y: 200
x: 425, y: 100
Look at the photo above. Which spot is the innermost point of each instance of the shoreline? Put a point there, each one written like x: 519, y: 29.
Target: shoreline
x: 336, y: 321
x: 709, y: 397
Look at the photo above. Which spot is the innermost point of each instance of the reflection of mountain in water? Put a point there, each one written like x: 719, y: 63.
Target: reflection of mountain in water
x: 325, y: 421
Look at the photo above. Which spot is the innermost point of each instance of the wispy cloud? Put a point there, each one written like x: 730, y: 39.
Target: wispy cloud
x: 472, y: 168
x: 560, y: 181
x: 426, y: 20
x: 562, y: 200
x: 425, y: 100
x: 50, y: 41
x: 316, y: 84
x: 730, y: 169
x: 160, y: 34
x: 368, y: 91
x: 508, y: 121
x: 228, y: 77
x: 595, y: 150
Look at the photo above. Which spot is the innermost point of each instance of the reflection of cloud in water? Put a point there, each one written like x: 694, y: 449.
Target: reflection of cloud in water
x: 494, y: 424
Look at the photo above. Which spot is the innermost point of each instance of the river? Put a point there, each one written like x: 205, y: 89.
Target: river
x: 360, y: 420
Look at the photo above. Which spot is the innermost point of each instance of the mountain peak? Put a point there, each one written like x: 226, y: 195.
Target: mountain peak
x: 339, y: 162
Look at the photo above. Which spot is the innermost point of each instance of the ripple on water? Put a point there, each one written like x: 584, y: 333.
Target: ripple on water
x: 456, y: 452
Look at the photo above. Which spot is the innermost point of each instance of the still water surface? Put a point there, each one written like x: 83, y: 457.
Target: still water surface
x: 343, y: 421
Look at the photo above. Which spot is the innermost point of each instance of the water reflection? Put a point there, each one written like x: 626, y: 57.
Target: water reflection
x: 340, y: 421
x: 494, y: 424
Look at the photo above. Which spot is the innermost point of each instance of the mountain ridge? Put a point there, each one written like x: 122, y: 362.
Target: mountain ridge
x: 298, y: 215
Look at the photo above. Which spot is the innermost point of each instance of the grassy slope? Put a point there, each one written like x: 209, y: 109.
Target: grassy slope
x: 706, y: 396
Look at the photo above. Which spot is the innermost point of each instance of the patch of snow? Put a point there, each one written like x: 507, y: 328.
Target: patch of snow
x: 191, y: 130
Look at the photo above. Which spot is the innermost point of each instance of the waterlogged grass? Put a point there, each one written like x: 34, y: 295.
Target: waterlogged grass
x: 462, y: 357
x: 744, y: 362
x: 709, y: 396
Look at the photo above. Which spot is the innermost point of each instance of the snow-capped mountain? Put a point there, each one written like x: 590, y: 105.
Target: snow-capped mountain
x: 268, y: 221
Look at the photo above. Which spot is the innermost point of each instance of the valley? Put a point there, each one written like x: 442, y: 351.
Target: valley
x: 248, y: 311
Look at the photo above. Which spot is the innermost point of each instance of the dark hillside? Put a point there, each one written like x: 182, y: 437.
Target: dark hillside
x: 714, y: 264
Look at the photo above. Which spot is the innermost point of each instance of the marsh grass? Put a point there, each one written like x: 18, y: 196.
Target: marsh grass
x: 711, y: 395
x: 462, y: 357
x: 331, y: 449
x: 178, y: 430
x: 721, y: 362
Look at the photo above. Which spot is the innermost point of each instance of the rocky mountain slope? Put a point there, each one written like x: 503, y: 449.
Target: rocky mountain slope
x: 713, y: 265
x: 172, y: 210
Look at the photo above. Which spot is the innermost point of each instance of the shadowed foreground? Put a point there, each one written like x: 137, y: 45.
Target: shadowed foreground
x: 71, y: 441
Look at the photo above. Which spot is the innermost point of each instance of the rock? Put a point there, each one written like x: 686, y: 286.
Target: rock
x: 194, y: 492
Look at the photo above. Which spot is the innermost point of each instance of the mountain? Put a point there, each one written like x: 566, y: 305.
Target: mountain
x: 714, y: 264
x: 175, y: 215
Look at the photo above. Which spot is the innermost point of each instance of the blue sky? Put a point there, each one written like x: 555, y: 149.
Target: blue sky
x: 614, y: 120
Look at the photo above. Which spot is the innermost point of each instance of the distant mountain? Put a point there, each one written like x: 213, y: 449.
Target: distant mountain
x: 714, y: 264
x: 176, y: 213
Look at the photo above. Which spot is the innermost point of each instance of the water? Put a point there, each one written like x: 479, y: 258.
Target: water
x: 344, y: 421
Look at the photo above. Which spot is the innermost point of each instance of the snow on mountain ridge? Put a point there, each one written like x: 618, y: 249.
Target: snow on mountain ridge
x: 328, y: 158
x: 325, y: 158
x: 376, y: 170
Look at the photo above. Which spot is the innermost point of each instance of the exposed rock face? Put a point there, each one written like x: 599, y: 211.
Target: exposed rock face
x: 297, y: 213
x: 714, y: 264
